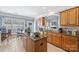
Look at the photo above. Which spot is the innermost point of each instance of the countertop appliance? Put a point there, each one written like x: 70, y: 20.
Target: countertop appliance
x: 60, y: 30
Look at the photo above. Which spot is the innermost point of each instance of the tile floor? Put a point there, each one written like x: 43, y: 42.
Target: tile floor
x: 15, y: 45
x: 52, y: 48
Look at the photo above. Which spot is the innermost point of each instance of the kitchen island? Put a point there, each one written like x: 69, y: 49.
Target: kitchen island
x: 35, y: 44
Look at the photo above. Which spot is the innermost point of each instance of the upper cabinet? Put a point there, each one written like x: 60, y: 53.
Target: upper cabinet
x: 70, y: 17
x: 73, y: 17
x: 42, y: 21
x: 63, y: 18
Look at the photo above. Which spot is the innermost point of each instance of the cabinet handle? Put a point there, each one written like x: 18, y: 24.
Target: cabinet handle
x: 41, y: 44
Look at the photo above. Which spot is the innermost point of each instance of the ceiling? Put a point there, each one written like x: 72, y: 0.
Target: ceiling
x: 33, y: 11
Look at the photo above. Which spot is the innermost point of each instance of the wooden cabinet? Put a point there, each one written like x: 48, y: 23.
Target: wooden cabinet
x: 78, y: 16
x: 32, y: 44
x: 56, y: 39
x: 37, y: 45
x: 73, y: 20
x: 63, y: 18
x: 70, y: 17
x: 25, y: 42
x: 70, y: 43
x: 65, y: 42
x: 49, y: 39
x: 42, y: 21
x: 73, y: 43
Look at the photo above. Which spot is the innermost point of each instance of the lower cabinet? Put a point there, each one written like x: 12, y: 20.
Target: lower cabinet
x: 66, y: 42
x: 56, y: 39
x: 25, y: 43
x: 49, y: 39
x: 70, y: 43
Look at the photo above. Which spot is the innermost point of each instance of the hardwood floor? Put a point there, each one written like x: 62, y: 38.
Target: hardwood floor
x: 15, y: 45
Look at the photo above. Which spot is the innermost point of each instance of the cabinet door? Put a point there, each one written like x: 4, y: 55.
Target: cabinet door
x: 49, y: 39
x: 56, y: 40
x: 70, y: 43
x: 65, y: 42
x: 78, y: 16
x: 25, y: 43
x: 73, y: 44
x: 63, y: 18
x: 42, y: 21
x: 31, y: 45
x: 68, y: 17
x: 73, y: 21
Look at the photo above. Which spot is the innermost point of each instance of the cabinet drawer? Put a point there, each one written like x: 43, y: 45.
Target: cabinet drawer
x: 41, y: 45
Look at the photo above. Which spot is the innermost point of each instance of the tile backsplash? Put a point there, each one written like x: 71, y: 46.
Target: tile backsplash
x: 70, y: 28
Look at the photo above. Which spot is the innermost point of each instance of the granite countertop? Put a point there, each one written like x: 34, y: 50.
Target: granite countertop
x: 55, y: 32
x: 34, y: 38
x: 70, y: 35
x: 63, y: 33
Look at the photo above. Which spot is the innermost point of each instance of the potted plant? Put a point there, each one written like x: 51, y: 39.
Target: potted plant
x: 36, y: 34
